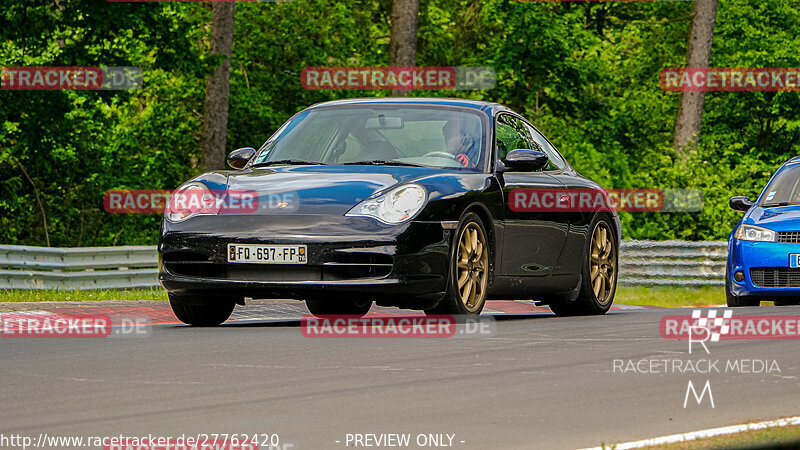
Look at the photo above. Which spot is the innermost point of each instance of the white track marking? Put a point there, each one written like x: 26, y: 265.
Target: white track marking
x: 702, y: 434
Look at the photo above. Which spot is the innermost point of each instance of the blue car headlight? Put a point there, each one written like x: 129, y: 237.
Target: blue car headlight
x: 754, y: 233
x: 396, y: 206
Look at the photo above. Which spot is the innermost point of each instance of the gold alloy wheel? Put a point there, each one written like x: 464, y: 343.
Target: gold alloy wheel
x: 472, y: 267
x: 602, y: 263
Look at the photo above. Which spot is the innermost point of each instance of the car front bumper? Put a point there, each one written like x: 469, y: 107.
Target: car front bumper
x: 346, y: 256
x: 765, y: 266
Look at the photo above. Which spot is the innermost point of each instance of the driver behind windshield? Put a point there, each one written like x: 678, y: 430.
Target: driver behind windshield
x: 461, y: 139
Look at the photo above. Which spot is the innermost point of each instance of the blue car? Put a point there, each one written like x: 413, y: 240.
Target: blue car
x: 764, y: 248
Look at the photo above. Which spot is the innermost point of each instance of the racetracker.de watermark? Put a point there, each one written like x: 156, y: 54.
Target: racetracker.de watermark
x: 396, y: 78
x: 730, y: 79
x: 603, y: 0
x: 44, y: 324
x: 211, y: 201
x: 431, y: 326
x: 596, y: 200
x: 201, y: 441
x: 70, y: 78
x: 725, y: 326
x: 200, y: 1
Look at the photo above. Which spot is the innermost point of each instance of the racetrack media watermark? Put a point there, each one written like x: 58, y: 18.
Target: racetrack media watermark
x: 102, y: 78
x: 430, y: 326
x: 596, y: 200
x: 44, y: 324
x: 397, y: 78
x: 730, y: 79
x: 703, y: 328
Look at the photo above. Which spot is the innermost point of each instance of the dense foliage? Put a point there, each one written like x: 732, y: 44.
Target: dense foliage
x: 586, y: 73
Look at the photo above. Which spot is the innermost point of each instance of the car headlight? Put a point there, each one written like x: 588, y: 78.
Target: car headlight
x: 188, y: 201
x: 754, y: 233
x: 396, y: 206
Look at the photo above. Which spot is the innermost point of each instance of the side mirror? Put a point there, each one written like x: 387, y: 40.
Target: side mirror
x: 740, y: 203
x: 524, y: 160
x: 238, y: 158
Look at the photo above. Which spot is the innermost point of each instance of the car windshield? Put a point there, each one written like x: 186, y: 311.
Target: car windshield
x: 444, y: 137
x: 784, y: 189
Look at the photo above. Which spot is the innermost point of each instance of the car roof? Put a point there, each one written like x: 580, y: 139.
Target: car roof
x: 793, y: 161
x: 487, y: 107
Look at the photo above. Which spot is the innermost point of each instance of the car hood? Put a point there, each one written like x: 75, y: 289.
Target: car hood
x: 328, y: 189
x: 784, y: 218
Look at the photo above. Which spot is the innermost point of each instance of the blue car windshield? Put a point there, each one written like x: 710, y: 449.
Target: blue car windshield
x: 442, y: 137
x: 784, y: 189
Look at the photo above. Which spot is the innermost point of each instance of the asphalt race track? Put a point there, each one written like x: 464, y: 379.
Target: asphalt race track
x: 537, y: 382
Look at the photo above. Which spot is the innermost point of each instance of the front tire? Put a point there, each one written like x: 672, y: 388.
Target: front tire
x: 469, y: 270
x: 192, y: 310
x: 598, y: 274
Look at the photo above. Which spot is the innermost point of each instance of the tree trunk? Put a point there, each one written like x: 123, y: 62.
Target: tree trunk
x: 215, y: 120
x: 403, y: 42
x: 698, y: 54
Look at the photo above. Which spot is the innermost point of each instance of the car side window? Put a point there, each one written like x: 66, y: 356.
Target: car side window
x: 554, y: 160
x: 509, y: 136
x: 527, y: 137
x: 310, y: 144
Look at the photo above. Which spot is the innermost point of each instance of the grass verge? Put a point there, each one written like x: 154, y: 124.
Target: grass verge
x: 770, y: 438
x: 670, y: 296
x: 15, y: 295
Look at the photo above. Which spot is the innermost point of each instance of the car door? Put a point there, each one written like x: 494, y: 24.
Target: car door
x: 533, y: 240
x: 569, y: 262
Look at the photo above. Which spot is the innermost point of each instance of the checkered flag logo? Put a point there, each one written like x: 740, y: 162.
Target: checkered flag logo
x: 716, y: 326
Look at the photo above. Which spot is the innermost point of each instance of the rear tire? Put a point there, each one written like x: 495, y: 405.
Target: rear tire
x: 336, y: 306
x: 735, y: 301
x: 468, y: 279
x: 190, y: 310
x: 598, y: 273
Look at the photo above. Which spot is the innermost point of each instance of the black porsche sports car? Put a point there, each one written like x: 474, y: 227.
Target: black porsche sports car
x: 419, y: 203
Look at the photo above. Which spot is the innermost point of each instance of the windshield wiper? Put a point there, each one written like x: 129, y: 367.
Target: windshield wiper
x: 382, y: 162
x: 294, y: 162
x: 772, y: 205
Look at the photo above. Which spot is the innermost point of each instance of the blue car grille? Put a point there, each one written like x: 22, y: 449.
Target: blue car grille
x: 776, y: 277
x: 789, y: 236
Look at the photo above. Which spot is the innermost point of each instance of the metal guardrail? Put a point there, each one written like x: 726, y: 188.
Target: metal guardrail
x: 641, y: 263
x: 676, y: 263
x: 24, y: 267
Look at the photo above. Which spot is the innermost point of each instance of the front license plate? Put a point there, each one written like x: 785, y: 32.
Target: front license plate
x: 794, y: 260
x: 267, y: 254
